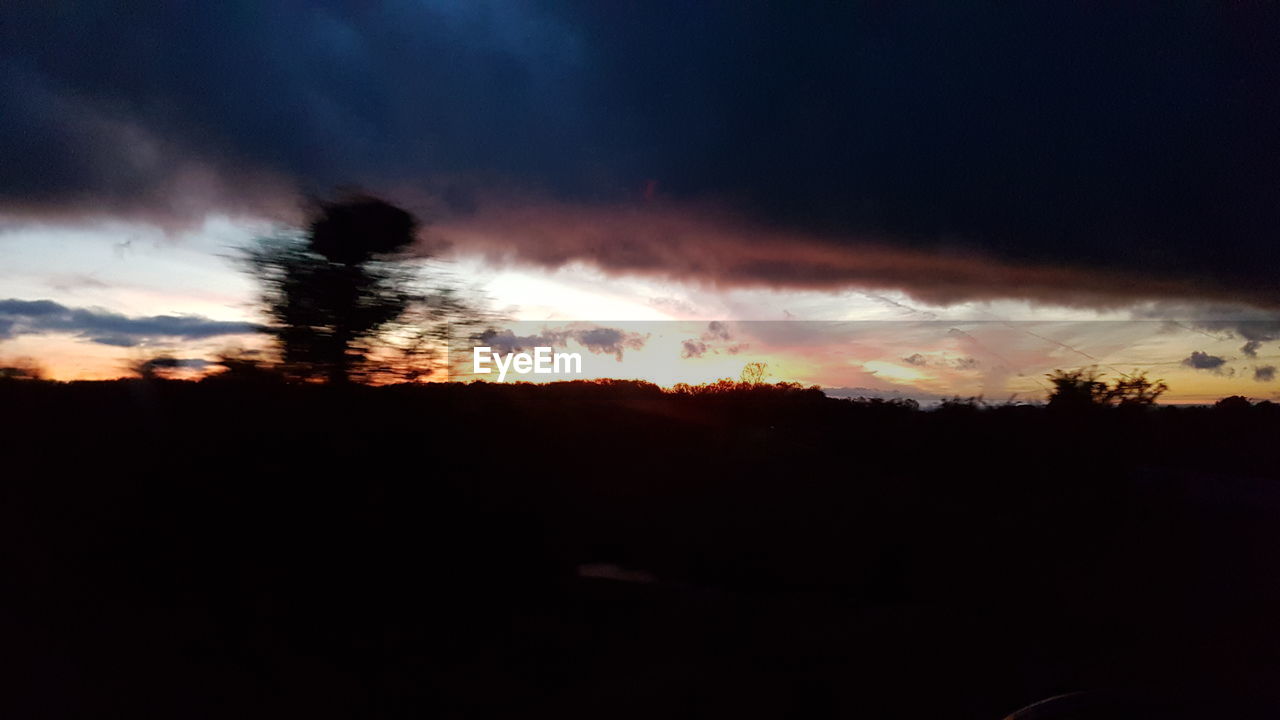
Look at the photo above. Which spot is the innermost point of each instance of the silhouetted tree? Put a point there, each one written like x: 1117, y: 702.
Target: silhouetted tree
x: 1085, y: 388
x: 1234, y: 403
x: 347, y: 299
x: 1136, y: 389
x: 753, y: 373
x: 243, y: 366
x: 1077, y: 388
x: 957, y: 405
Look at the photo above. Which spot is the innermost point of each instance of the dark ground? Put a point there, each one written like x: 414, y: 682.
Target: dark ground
x: 222, y: 550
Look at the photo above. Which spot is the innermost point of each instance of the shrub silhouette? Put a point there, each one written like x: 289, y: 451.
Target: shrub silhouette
x: 1077, y: 388
x: 1085, y: 388
x: 244, y: 367
x: 1136, y: 389
x: 1234, y: 403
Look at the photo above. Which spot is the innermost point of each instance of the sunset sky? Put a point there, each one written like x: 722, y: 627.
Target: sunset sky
x: 915, y: 202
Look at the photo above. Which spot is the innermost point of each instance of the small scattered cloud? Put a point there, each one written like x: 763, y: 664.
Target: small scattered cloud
x: 716, y: 339
x: 961, y: 363
x: 173, y: 362
x: 692, y: 349
x: 1200, y: 360
x: 506, y: 341
x: 166, y: 364
x: 598, y: 340
x: 716, y: 330
x: 1264, y: 373
x: 609, y: 340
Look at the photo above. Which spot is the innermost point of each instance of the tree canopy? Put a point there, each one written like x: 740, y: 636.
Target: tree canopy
x: 347, y: 300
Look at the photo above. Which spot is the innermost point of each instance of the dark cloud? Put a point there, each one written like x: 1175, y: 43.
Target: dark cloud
x: 166, y: 363
x: 1253, y: 332
x: 681, y: 242
x: 1264, y: 373
x: 33, y: 317
x: 716, y: 339
x: 716, y: 330
x: 67, y: 153
x: 1220, y: 321
x: 692, y: 349
x: 1130, y: 141
x: 124, y: 341
x: 609, y: 340
x: 962, y: 363
x: 1199, y: 360
x: 173, y: 362
x: 506, y: 341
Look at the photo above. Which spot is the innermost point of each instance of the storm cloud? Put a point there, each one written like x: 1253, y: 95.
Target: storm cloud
x: 1076, y: 153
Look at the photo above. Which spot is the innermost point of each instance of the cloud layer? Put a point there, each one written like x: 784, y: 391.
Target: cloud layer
x: 713, y: 247
x: 957, y: 150
x: 36, y: 317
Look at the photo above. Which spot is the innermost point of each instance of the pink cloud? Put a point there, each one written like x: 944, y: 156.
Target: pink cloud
x: 702, y: 245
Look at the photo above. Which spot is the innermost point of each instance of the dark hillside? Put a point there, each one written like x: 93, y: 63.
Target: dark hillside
x: 610, y: 550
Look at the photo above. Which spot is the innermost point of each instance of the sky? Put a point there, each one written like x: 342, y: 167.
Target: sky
x: 940, y: 198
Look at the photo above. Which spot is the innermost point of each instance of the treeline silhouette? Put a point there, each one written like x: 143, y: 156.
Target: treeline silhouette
x: 256, y: 548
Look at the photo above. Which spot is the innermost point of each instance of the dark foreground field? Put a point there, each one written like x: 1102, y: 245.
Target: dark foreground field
x: 185, y: 550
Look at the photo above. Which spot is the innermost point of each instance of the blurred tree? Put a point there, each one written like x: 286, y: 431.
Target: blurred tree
x: 165, y: 367
x: 21, y: 369
x: 957, y: 405
x: 1077, y: 388
x: 347, y: 300
x: 243, y: 366
x: 1136, y: 389
x: 1085, y: 387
